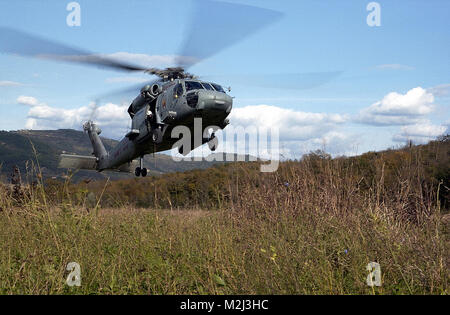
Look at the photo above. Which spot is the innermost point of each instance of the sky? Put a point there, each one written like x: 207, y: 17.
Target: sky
x: 320, y: 73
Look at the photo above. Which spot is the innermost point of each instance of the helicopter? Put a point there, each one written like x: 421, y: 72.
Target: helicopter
x: 175, y: 98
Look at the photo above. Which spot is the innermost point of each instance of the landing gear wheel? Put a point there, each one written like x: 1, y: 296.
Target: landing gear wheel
x: 137, y: 171
x: 213, y: 143
x: 143, y: 172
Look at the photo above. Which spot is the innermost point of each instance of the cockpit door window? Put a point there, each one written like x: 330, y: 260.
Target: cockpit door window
x: 217, y: 87
x: 207, y: 86
x: 178, y: 91
x: 192, y: 85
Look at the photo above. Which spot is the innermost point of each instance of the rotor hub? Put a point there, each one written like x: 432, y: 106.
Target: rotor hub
x: 169, y: 74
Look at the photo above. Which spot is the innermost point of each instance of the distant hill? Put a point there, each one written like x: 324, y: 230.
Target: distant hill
x: 16, y: 148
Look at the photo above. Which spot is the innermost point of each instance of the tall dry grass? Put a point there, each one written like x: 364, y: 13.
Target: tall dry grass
x: 310, y: 228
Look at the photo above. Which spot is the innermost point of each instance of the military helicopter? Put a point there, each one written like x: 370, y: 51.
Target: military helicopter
x: 175, y: 98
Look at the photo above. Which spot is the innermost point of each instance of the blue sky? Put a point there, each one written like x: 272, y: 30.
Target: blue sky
x: 407, y: 56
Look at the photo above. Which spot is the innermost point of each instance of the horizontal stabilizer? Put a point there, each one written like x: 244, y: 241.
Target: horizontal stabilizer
x: 81, y: 162
x: 78, y: 162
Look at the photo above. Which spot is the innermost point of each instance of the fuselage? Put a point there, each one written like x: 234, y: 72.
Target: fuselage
x: 179, y: 103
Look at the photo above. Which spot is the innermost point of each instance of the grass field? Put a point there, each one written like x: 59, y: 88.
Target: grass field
x: 310, y: 228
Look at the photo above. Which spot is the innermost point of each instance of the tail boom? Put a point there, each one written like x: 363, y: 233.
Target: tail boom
x: 100, y: 159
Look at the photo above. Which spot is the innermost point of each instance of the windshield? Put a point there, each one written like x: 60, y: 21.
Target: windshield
x: 192, y: 85
x: 217, y: 87
x: 207, y: 86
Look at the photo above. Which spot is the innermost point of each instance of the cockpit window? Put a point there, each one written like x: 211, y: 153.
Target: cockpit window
x: 217, y: 87
x: 192, y: 85
x: 207, y: 86
x: 178, y: 91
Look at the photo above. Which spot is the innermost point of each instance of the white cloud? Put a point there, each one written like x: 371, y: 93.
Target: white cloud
x: 10, y: 83
x: 293, y: 125
x: 399, y: 109
x: 336, y: 142
x: 420, y: 133
x: 28, y: 100
x: 299, y: 132
x: 113, y: 118
x: 394, y: 66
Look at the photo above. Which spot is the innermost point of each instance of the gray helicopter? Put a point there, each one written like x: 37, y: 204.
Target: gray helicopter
x: 175, y: 98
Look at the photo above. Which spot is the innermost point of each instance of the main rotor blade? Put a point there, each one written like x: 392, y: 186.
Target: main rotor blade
x: 17, y: 42
x: 126, y: 94
x: 215, y: 26
x: 294, y: 81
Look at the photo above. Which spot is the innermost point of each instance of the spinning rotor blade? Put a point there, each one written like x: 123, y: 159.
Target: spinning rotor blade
x: 295, y: 81
x: 17, y: 42
x: 215, y: 26
x: 127, y: 94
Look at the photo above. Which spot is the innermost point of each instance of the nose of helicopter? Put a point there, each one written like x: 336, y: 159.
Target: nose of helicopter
x: 214, y: 101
